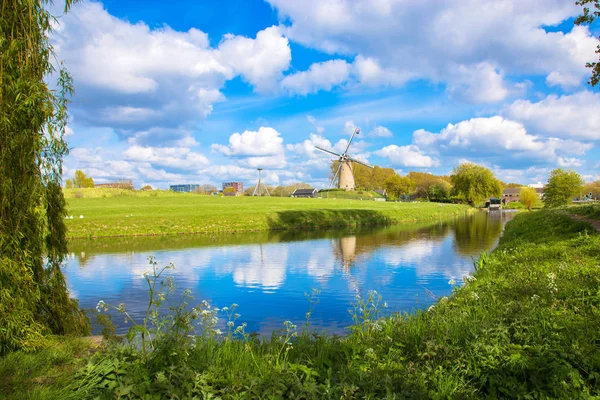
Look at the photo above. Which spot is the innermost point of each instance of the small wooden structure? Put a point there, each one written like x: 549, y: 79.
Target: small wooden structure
x: 493, y: 203
x: 306, y: 193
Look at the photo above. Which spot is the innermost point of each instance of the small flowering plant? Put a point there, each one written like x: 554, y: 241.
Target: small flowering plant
x: 180, y: 325
x: 151, y: 328
x: 366, y: 313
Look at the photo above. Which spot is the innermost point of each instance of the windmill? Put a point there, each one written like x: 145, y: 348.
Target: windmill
x: 344, y: 170
x: 260, y: 187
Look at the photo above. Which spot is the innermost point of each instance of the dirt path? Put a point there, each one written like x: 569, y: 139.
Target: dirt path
x: 594, y: 222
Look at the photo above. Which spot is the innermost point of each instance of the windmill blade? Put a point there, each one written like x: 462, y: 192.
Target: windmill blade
x: 359, y: 162
x: 336, y: 174
x: 356, y: 130
x: 327, y: 151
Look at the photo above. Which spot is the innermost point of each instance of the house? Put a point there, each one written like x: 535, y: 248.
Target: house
x: 493, y: 203
x: 238, y: 186
x: 512, y: 194
x: 382, y: 192
x: 307, y: 193
x: 185, y: 188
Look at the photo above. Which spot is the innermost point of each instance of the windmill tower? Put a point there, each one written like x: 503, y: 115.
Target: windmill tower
x: 344, y: 169
x: 260, y: 189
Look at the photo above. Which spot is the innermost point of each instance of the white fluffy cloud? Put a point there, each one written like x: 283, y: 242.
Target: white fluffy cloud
x: 380, y: 131
x: 181, y: 158
x: 135, y: 79
x: 480, y: 83
x: 103, y: 167
x: 319, y: 76
x: 569, y: 162
x: 257, y: 149
x: 576, y: 116
x: 260, y: 61
x: 497, y: 137
x: 264, y: 142
x: 396, y: 40
x: 407, y: 156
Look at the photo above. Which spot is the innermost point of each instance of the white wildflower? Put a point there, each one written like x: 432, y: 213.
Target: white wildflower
x: 81, y: 216
x: 535, y: 297
x: 474, y: 296
x: 431, y: 308
x: 551, y: 282
x: 452, y: 282
x: 100, y: 306
x: 218, y: 332
x: 224, y: 309
x: 443, y: 299
x: 230, y: 324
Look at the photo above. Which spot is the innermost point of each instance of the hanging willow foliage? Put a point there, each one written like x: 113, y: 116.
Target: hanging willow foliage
x: 34, y: 299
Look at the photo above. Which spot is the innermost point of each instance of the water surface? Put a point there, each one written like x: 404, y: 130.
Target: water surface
x: 268, y: 273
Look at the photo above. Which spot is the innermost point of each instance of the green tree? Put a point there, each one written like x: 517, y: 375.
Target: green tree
x: 34, y: 299
x: 424, y: 181
x: 81, y: 180
x: 562, y: 187
x: 397, y: 186
x: 528, y: 196
x: 593, y: 188
x: 439, y: 191
x: 474, y: 183
x: 587, y: 18
x: 69, y: 184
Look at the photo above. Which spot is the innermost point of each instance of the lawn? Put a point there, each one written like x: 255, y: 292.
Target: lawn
x: 160, y: 213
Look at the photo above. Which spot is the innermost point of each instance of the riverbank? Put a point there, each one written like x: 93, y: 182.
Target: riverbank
x: 168, y: 213
x: 524, y: 325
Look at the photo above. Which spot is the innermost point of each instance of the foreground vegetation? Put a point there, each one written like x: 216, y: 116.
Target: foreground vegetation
x: 588, y: 210
x: 162, y: 213
x: 523, y: 326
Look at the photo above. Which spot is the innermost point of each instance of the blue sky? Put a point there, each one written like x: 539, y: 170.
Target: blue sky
x: 207, y: 91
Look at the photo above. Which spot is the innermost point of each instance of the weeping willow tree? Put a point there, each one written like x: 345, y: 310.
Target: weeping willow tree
x: 34, y: 300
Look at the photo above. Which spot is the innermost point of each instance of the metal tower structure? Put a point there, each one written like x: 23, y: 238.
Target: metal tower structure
x: 260, y: 189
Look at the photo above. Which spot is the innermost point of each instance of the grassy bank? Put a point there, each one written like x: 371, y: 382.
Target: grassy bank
x: 524, y: 326
x: 45, y: 374
x: 589, y: 210
x: 164, y: 213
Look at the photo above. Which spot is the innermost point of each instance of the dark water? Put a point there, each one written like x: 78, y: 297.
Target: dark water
x: 267, y: 273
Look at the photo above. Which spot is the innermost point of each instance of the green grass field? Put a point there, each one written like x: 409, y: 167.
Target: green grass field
x: 162, y: 213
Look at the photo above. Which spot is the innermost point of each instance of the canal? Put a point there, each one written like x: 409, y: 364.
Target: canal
x: 269, y: 273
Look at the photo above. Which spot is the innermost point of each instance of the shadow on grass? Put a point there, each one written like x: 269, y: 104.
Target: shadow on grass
x: 326, y: 219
